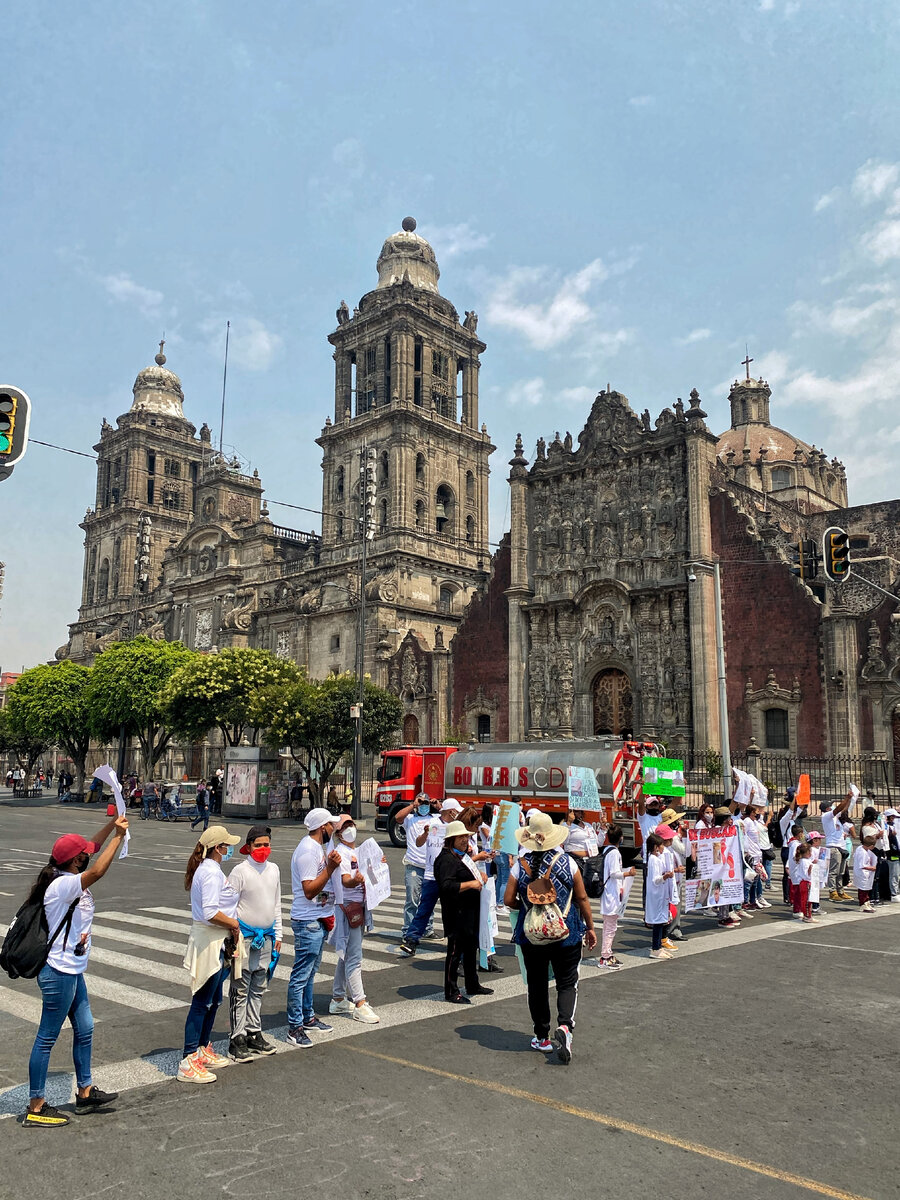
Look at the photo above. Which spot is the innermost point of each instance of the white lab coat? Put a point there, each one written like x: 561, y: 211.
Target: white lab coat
x: 613, y: 882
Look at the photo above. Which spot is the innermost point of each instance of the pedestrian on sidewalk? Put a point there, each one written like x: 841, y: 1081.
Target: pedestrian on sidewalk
x: 892, y: 828
x: 348, y: 996
x: 202, y: 806
x: 865, y: 864
x: 63, y: 886
x: 434, y: 844
x: 257, y: 882
x: 214, y: 950
x: 833, y: 827
x: 312, y: 919
x: 415, y: 820
x: 613, y: 892
x: 538, y: 839
x: 660, y: 879
x: 459, y: 883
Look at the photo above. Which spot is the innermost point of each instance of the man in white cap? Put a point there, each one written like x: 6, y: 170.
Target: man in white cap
x: 434, y: 844
x: 312, y: 919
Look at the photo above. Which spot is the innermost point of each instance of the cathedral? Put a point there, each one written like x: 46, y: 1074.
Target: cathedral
x: 596, y: 615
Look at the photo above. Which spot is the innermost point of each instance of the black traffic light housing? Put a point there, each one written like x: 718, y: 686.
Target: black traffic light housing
x: 15, y: 416
x: 804, y: 558
x: 836, y: 554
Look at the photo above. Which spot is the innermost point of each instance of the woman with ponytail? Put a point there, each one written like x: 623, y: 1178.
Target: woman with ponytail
x: 63, y: 887
x: 214, y: 944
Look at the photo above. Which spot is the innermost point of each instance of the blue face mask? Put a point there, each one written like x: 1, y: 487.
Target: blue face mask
x: 461, y: 853
x: 424, y: 810
x: 228, y: 853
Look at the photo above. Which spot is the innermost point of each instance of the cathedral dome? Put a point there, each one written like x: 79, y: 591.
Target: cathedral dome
x: 407, y: 258
x: 780, y: 446
x: 158, y: 390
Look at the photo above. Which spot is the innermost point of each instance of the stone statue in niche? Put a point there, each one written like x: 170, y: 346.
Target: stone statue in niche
x: 874, y: 666
x: 343, y: 313
x: 541, y: 453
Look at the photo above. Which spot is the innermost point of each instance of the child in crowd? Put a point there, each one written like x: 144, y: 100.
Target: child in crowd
x: 611, y: 896
x: 818, y: 871
x: 795, y: 837
x: 864, y: 864
x: 800, y: 865
x: 659, y: 895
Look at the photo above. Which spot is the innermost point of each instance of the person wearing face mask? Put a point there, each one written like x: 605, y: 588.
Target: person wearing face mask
x: 312, y: 919
x: 434, y: 844
x: 257, y: 882
x: 348, y: 997
x: 415, y: 819
x: 214, y: 950
x: 459, y: 883
x: 63, y: 886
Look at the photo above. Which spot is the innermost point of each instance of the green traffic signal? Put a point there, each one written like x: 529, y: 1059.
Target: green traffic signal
x: 8, y: 407
x: 836, y: 554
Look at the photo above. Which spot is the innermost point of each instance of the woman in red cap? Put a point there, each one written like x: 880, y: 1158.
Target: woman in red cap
x: 69, y: 907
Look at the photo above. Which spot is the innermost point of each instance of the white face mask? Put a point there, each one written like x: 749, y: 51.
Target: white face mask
x: 348, y: 833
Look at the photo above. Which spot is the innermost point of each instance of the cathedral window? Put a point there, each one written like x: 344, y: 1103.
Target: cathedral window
x: 151, y: 463
x: 384, y: 469
x: 365, y: 400
x: 117, y: 468
x: 444, y: 403
x: 484, y: 727
x: 335, y: 642
x: 420, y: 514
x: 445, y: 599
x: 420, y: 469
x: 781, y: 478
x: 172, y: 468
x: 417, y: 372
x: 340, y: 526
x: 150, y: 491
x: 470, y: 486
x: 443, y: 509
x: 339, y: 484
x: 383, y: 516
x: 470, y: 530
x: 387, y: 371
x: 114, y: 495
x: 103, y: 583
x: 777, y: 737
x: 171, y: 500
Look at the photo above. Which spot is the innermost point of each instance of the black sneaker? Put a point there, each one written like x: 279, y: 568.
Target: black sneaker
x: 95, y: 1099
x: 408, y: 949
x: 237, y: 1050
x: 45, y: 1117
x: 480, y: 991
x: 257, y: 1044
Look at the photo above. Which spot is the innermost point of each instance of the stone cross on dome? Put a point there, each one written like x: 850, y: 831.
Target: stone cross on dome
x: 745, y: 362
x: 160, y: 359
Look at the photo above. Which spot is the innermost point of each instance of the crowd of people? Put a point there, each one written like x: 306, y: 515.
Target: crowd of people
x: 546, y: 888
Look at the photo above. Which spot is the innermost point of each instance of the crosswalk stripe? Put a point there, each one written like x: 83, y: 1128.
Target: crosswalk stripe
x: 19, y: 1004
x: 139, y: 966
x: 132, y: 997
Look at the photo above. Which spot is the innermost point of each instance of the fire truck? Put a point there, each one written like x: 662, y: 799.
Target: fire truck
x: 533, y: 774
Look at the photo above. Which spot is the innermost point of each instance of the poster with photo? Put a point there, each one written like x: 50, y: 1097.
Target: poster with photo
x: 240, y: 784
x: 717, y: 853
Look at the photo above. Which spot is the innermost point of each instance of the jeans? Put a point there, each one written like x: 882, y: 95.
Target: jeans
x: 63, y: 996
x: 414, y: 877
x: 309, y: 941
x: 502, y: 864
x: 427, y: 902
x: 894, y: 876
x: 657, y: 932
x: 565, y: 961
x: 202, y: 1014
x: 202, y: 814
x: 752, y: 890
x: 348, y: 973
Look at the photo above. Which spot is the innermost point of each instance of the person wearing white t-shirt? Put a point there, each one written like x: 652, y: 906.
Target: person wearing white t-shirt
x: 63, y: 886
x: 434, y: 844
x: 613, y: 884
x: 833, y: 829
x: 257, y: 881
x: 348, y: 996
x: 865, y: 863
x: 649, y: 816
x: 312, y: 919
x: 415, y: 820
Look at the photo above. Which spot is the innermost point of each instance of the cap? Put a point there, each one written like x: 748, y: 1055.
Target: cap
x: 218, y: 835
x: 890, y: 812
x: 451, y: 805
x: 814, y: 835
x: 69, y: 846
x: 317, y: 817
x: 342, y: 820
x: 254, y: 832
x: 666, y: 832
x: 825, y: 805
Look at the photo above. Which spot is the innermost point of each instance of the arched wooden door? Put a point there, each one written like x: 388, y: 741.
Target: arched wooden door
x: 410, y: 730
x: 613, y: 704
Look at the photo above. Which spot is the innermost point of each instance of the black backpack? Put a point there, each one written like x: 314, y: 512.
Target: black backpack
x: 26, y: 946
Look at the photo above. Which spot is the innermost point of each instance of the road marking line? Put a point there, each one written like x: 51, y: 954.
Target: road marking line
x: 132, y: 997
x: 858, y: 949
x: 19, y: 1004
x: 586, y: 1114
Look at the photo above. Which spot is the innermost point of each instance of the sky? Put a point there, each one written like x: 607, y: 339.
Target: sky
x: 626, y: 194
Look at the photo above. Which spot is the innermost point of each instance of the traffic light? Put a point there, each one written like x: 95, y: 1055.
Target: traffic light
x: 836, y: 554
x: 804, y: 558
x: 15, y: 414
x: 369, y: 489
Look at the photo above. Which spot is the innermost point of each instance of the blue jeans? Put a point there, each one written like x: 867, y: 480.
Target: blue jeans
x: 424, y: 912
x: 502, y: 864
x: 414, y: 878
x: 309, y: 941
x: 63, y: 996
x: 202, y: 1014
x: 202, y: 814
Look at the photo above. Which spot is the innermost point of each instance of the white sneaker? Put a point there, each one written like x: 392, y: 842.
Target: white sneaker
x: 365, y: 1013
x: 336, y: 1007
x: 797, y: 916
x: 193, y: 1070
x: 502, y: 910
x: 763, y: 903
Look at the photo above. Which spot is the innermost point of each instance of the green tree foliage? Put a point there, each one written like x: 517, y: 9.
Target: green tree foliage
x: 20, y: 743
x: 127, y: 684
x: 313, y: 720
x: 51, y: 703
x: 221, y: 690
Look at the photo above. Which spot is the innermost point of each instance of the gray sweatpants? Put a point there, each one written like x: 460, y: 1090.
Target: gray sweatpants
x: 835, y: 868
x: 246, y: 994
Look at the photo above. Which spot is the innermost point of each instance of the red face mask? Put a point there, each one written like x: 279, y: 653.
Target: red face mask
x: 261, y: 853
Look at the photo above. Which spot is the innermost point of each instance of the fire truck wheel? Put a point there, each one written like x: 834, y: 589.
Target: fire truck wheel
x: 396, y: 833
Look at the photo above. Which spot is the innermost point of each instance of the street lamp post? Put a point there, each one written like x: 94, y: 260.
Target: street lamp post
x: 724, y: 738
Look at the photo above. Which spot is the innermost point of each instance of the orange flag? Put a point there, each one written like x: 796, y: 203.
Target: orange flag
x: 803, y: 791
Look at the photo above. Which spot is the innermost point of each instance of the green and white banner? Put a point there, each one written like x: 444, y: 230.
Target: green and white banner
x: 663, y: 777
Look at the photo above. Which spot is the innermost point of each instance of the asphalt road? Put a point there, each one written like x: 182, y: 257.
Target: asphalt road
x: 760, y: 1063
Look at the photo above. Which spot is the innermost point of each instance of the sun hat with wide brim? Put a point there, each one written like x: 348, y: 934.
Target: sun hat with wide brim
x: 541, y: 833
x: 455, y: 829
x: 669, y: 816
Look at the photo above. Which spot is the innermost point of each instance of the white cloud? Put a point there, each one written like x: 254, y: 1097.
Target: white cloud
x: 874, y: 180
x: 696, y: 335
x: 826, y: 200
x: 882, y: 243
x: 534, y: 393
x: 546, y: 320
x: 122, y: 288
x: 844, y: 318
x: 250, y: 344
x: 350, y: 156
x: 641, y: 101
x: 449, y: 241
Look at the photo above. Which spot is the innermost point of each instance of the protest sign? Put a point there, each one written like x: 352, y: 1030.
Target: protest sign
x: 627, y: 884
x: 108, y: 776
x: 376, y: 872
x: 583, y: 792
x: 504, y: 826
x: 663, y: 777
x: 717, y: 853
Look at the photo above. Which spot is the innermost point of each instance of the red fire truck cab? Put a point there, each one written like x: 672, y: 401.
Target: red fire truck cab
x: 404, y: 772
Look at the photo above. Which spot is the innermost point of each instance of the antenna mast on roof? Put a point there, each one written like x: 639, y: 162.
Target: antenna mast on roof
x: 224, y: 382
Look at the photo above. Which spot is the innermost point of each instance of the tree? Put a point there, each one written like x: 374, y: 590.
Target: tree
x: 313, y: 720
x: 51, y: 702
x: 18, y: 742
x: 220, y: 690
x: 127, y: 683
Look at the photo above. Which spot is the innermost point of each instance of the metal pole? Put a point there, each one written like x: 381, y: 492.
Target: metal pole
x: 723, y: 691
x: 356, y: 800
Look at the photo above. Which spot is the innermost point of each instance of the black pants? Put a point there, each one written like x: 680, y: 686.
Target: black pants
x: 461, y: 947
x: 785, y: 878
x: 564, y: 960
